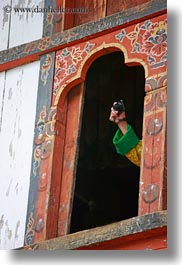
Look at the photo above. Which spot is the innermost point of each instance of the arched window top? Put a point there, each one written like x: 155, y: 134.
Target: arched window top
x: 119, y: 56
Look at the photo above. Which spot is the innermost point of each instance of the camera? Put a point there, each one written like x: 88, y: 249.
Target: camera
x: 119, y: 106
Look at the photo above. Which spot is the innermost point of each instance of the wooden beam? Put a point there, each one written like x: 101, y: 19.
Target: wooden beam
x: 31, y: 51
x: 154, y: 239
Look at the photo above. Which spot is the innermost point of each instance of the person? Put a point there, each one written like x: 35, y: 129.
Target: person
x: 125, y: 140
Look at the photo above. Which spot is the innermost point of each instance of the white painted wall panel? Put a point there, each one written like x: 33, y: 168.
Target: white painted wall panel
x: 17, y: 28
x: 25, y: 26
x: 4, y: 24
x: 16, y: 140
x: 2, y: 88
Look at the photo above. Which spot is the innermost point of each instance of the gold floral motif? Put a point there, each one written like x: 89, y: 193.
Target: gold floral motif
x: 133, y: 36
x: 45, y: 69
x: 76, y: 55
x: 30, y: 230
x: 162, y: 26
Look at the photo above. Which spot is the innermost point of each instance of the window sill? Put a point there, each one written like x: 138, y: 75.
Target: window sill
x: 112, y: 236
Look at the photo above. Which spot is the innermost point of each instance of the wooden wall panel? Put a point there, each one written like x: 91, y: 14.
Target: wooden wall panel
x: 68, y: 16
x: 117, y: 6
x: 79, y: 12
x: 59, y: 25
x: 96, y: 10
x: 16, y: 139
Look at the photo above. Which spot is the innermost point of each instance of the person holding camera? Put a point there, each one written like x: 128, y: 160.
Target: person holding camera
x: 125, y: 140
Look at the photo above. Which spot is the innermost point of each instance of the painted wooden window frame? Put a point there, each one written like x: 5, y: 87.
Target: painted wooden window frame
x: 71, y: 65
x: 75, y: 61
x: 51, y: 111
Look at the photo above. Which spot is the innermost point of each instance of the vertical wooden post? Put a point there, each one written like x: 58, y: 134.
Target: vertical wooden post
x: 60, y: 16
x: 41, y: 155
x: 153, y: 167
x: 74, y: 111
x: 57, y: 165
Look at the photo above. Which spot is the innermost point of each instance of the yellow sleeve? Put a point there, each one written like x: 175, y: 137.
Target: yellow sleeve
x: 134, y: 155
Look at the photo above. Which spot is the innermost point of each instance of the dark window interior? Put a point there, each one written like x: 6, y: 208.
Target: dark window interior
x: 107, y: 184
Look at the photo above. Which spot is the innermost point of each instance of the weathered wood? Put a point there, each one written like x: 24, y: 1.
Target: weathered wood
x: 119, y: 231
x: 41, y: 156
x: 75, y: 97
x: 153, y: 171
x: 154, y: 239
x: 96, y: 10
x: 16, y: 138
x: 57, y: 167
x: 68, y: 16
x: 27, y: 52
x: 116, y: 6
x: 60, y: 17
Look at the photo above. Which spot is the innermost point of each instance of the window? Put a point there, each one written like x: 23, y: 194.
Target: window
x: 107, y: 184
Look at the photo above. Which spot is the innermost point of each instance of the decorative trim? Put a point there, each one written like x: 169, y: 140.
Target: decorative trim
x: 156, y: 82
x: 66, y: 38
x: 156, y: 100
x: 49, y: 18
x: 71, y: 62
x: 42, y: 144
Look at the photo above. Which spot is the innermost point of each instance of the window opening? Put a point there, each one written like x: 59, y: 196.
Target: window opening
x: 107, y: 184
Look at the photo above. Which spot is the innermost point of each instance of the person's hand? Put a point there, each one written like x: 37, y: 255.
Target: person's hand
x: 115, y: 117
x: 119, y: 119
